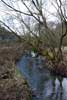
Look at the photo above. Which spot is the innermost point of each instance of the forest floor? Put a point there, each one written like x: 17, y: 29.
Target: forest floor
x: 12, y: 85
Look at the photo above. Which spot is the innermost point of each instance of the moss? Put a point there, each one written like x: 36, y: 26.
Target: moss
x: 34, y: 49
x: 48, y: 54
x: 18, y: 72
x: 44, y: 52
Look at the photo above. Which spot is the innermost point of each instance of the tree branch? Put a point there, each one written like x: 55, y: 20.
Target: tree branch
x: 15, y: 9
x: 11, y: 30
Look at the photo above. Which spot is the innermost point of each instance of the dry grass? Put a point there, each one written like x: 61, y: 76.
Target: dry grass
x: 12, y: 85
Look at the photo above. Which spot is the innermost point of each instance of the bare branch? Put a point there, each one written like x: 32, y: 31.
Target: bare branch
x: 15, y: 9
x: 11, y: 30
x: 31, y: 14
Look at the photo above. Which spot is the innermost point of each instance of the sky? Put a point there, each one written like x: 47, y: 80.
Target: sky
x: 6, y: 12
x: 3, y: 8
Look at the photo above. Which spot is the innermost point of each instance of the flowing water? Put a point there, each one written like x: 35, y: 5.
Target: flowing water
x: 44, y: 85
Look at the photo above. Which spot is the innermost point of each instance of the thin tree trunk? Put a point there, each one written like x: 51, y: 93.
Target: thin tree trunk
x: 60, y: 56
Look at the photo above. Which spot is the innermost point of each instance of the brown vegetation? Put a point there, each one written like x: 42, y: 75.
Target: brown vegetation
x: 12, y: 85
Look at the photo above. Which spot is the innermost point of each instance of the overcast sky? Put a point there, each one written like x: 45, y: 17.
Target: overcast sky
x: 6, y: 12
x: 4, y: 9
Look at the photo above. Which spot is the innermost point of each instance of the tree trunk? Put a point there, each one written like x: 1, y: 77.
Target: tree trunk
x: 60, y: 56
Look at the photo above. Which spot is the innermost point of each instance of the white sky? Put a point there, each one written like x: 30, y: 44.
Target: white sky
x: 3, y: 8
x: 5, y: 12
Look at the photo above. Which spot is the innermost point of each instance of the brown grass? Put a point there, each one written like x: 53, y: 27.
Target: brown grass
x: 12, y: 85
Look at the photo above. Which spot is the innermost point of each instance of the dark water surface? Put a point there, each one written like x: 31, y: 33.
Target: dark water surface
x: 43, y: 84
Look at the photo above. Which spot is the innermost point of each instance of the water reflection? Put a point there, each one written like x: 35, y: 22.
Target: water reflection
x: 57, y: 89
x: 44, y: 85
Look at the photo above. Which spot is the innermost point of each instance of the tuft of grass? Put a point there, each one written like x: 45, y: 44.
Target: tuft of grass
x: 18, y: 72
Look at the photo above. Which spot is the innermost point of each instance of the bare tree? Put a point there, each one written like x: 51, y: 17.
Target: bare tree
x: 38, y: 16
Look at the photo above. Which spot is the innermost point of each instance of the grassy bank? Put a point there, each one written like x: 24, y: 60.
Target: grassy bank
x: 12, y: 85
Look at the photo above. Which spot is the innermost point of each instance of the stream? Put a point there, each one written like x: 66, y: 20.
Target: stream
x: 44, y: 85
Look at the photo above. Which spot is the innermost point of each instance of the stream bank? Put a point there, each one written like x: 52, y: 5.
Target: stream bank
x: 13, y: 86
